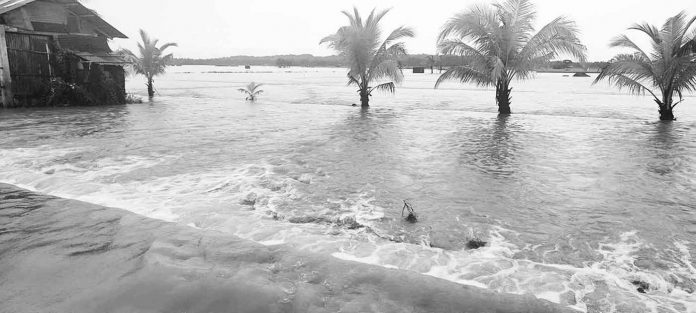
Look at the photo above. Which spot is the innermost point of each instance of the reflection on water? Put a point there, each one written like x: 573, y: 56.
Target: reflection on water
x: 575, y: 203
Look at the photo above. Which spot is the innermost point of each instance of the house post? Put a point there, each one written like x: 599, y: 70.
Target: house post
x: 5, y: 77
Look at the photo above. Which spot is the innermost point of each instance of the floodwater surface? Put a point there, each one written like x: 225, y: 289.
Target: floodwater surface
x: 582, y: 196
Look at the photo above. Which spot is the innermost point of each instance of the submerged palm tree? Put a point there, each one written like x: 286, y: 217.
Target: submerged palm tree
x: 497, y: 44
x: 670, y: 66
x: 152, y: 61
x: 370, y: 59
x: 252, y: 91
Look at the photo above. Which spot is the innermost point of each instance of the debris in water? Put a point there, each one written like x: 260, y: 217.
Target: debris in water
x: 411, y: 218
x: 250, y: 199
x: 475, y: 243
x: 643, y: 287
x: 349, y: 222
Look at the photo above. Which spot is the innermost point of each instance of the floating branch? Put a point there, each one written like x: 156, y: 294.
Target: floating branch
x: 411, y: 218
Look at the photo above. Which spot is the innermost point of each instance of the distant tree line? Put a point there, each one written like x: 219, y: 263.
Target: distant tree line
x: 308, y: 60
x: 304, y: 60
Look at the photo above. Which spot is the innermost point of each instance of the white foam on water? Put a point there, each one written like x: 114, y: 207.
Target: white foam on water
x: 213, y: 200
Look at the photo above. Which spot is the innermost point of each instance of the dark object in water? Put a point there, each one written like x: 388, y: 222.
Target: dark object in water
x: 250, y: 199
x: 643, y: 287
x: 354, y: 105
x: 411, y: 218
x: 247, y: 67
x: 475, y: 244
x: 418, y: 70
x: 581, y: 74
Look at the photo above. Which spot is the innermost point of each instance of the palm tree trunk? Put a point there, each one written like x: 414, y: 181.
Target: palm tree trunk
x: 502, y: 97
x: 666, y: 113
x: 364, y: 99
x: 150, y: 88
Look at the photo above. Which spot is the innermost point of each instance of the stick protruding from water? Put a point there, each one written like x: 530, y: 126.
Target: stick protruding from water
x: 411, y: 218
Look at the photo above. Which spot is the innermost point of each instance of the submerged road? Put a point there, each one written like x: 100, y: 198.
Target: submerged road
x: 59, y: 255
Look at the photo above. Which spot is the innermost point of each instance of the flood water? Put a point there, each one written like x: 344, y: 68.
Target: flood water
x: 582, y: 196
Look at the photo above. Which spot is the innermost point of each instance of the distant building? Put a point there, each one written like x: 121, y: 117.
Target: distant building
x: 34, y: 34
x: 418, y: 70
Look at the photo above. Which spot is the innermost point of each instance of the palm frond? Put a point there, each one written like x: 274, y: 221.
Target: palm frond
x: 353, y: 81
x: 166, y: 46
x: 386, y: 87
x: 479, y: 24
x: 466, y: 74
x: 648, y: 29
x: 560, y: 36
x: 623, y: 41
x: 626, y: 71
x: 386, y: 69
x: 622, y: 82
x: 517, y: 18
x: 397, y: 34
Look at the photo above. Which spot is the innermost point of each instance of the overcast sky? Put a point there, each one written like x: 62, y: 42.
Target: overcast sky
x: 217, y: 28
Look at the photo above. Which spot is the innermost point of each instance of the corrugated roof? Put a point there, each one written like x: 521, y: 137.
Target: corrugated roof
x: 9, y: 5
x: 74, y: 6
x: 92, y: 16
x: 105, y: 59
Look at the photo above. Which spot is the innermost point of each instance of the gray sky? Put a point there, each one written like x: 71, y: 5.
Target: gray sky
x: 217, y: 28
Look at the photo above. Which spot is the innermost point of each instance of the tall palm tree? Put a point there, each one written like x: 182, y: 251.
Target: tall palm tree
x: 670, y: 66
x: 497, y: 44
x: 252, y: 90
x: 370, y: 59
x: 152, y: 60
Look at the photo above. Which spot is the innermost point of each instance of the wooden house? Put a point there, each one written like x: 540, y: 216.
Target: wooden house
x: 35, y: 33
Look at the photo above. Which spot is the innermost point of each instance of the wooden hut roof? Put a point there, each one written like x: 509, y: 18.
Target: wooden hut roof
x: 91, y: 49
x: 73, y: 6
x: 9, y: 5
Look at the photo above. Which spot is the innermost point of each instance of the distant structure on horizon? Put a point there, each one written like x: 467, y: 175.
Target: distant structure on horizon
x: 35, y: 34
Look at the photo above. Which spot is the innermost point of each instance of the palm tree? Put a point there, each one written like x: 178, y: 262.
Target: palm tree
x: 432, y: 60
x: 152, y: 60
x: 370, y: 59
x: 252, y: 91
x: 670, y: 66
x: 497, y: 44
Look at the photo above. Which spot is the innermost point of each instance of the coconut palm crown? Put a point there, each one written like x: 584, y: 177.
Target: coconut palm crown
x: 252, y: 91
x: 370, y: 59
x: 152, y: 60
x: 497, y: 44
x: 669, y: 67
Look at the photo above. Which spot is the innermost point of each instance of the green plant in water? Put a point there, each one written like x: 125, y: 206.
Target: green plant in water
x: 370, y: 59
x: 152, y: 60
x: 497, y: 44
x: 669, y: 67
x: 252, y: 91
x: 133, y: 99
